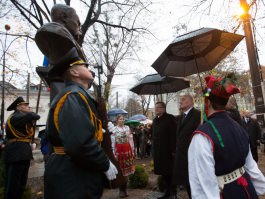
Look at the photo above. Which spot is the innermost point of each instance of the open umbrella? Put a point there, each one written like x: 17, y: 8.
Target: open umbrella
x: 132, y: 123
x: 138, y: 117
x: 155, y: 84
x: 113, y: 113
x: 116, y: 111
x: 195, y: 52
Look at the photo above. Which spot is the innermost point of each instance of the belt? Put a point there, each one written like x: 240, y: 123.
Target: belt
x: 19, y: 140
x: 230, y: 177
x: 59, y: 150
x: 121, y: 140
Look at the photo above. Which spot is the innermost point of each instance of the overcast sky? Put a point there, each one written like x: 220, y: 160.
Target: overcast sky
x: 165, y: 15
x: 169, y: 13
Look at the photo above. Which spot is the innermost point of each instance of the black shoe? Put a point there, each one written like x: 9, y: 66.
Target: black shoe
x: 122, y: 194
x: 165, y: 196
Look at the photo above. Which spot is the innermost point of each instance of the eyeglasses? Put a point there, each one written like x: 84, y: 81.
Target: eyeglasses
x: 159, y: 107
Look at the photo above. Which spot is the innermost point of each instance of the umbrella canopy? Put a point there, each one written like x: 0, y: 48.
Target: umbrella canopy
x: 132, y: 123
x: 138, y: 117
x: 116, y: 111
x: 147, y: 121
x: 196, y: 52
x: 155, y: 84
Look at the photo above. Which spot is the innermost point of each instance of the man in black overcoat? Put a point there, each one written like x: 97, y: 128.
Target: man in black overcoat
x: 18, y: 151
x: 254, y: 132
x: 164, y: 138
x: 188, y: 122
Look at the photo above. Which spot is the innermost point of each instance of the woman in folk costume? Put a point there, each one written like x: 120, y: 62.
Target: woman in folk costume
x: 220, y: 161
x: 123, y: 147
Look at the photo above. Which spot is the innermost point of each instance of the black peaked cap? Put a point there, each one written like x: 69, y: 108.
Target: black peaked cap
x: 65, y: 62
x: 18, y: 101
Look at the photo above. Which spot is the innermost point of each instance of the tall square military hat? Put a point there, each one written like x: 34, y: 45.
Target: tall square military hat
x: 17, y: 102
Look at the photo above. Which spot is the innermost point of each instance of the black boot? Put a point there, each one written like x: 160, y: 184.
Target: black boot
x: 123, y: 191
x: 165, y: 196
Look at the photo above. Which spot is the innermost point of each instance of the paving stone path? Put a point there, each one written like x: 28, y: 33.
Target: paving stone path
x: 37, y: 169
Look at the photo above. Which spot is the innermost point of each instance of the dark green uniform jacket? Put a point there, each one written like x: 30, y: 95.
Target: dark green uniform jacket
x: 21, y: 122
x: 78, y: 174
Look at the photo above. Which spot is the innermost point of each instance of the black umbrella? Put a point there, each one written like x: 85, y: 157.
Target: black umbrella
x: 195, y: 52
x: 155, y: 84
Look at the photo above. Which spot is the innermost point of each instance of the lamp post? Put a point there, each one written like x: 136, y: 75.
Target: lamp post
x: 7, y: 28
x: 100, y: 71
x: 254, y: 66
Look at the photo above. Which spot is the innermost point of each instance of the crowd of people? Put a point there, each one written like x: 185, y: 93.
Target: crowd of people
x: 210, y: 153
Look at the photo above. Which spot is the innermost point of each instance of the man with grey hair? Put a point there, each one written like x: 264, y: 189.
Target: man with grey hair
x: 253, y: 130
x: 188, y: 122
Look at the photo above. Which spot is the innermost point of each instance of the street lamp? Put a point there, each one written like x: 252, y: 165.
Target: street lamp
x: 7, y: 28
x: 254, y: 66
x: 100, y: 71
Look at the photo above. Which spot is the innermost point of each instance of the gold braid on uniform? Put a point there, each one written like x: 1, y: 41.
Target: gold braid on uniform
x: 16, y: 133
x: 94, y: 120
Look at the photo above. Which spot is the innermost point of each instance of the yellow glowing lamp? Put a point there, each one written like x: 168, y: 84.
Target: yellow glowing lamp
x: 241, y: 11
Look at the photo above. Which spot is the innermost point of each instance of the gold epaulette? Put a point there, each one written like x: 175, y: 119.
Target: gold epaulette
x: 19, y: 140
x: 59, y: 150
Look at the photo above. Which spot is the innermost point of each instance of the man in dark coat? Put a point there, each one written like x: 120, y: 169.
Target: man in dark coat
x: 164, y: 136
x: 232, y: 110
x: 188, y: 122
x: 74, y: 131
x: 18, y: 152
x: 254, y: 132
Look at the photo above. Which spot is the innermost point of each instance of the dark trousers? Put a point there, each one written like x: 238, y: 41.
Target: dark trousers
x: 188, y: 191
x: 254, y: 152
x: 137, y: 148
x: 16, y: 179
x: 170, y: 188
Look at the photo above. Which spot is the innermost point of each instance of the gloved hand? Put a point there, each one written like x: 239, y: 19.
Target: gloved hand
x: 111, y: 127
x: 111, y: 172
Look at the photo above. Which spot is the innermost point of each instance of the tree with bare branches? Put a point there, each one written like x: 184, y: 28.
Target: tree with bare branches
x: 115, y: 24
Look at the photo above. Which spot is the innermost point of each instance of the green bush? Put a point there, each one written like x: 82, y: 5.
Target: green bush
x: 139, y: 179
x: 152, y: 165
x: 1, y: 192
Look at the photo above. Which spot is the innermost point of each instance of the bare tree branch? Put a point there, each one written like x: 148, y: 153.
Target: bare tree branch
x: 119, y: 26
x: 89, y: 21
x: 37, y: 11
x: 21, y: 8
x: 41, y: 11
x: 47, y: 9
x: 17, y: 35
x: 67, y: 2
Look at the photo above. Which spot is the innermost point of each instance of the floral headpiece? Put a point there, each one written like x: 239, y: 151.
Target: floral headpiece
x: 219, y: 90
x: 222, y: 87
